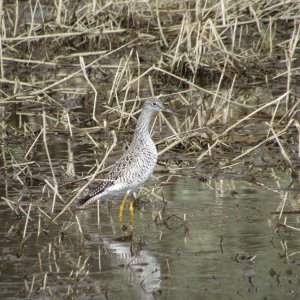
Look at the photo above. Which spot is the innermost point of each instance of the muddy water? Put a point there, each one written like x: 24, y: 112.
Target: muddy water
x: 211, y: 237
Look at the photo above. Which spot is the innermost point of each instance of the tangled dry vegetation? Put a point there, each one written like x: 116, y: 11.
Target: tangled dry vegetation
x: 80, y: 68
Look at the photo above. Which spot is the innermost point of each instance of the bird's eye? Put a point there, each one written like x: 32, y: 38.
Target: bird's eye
x: 154, y: 103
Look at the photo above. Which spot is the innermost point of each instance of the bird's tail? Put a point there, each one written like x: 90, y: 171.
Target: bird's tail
x: 93, y: 196
x: 82, y: 202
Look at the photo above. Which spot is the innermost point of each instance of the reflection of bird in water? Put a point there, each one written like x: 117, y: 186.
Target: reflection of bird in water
x: 135, y: 166
x: 127, y: 255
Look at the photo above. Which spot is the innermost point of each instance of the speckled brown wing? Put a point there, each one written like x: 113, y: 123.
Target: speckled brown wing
x: 117, y: 171
x: 120, y: 167
x: 100, y: 188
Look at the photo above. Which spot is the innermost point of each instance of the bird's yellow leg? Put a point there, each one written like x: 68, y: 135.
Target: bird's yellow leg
x: 122, y: 206
x: 131, y: 210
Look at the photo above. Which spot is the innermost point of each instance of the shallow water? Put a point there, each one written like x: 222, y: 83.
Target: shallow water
x: 226, y: 247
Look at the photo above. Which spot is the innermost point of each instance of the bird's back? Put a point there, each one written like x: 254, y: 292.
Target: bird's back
x: 132, y: 169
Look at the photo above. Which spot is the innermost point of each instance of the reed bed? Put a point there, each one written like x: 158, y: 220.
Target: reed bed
x: 79, y: 70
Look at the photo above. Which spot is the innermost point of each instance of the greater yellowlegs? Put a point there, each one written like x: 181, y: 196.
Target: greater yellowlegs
x: 135, y: 166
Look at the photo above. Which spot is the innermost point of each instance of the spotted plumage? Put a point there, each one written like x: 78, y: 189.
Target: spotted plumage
x: 137, y: 163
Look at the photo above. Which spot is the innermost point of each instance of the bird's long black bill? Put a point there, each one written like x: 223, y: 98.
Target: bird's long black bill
x: 171, y: 112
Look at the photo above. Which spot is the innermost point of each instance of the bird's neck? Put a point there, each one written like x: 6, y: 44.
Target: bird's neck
x: 143, y: 125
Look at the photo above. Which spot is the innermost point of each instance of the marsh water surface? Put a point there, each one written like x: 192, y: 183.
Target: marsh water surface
x: 194, y: 236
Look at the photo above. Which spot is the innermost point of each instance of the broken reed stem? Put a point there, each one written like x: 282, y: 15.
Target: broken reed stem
x: 33, y: 144
x: 79, y: 225
x: 69, y: 123
x: 290, y: 51
x: 99, y: 259
x: 132, y: 112
x: 283, y: 204
x: 169, y: 125
x: 26, y: 222
x: 283, y: 152
x: 55, y: 187
x: 16, y: 17
x: 59, y: 35
x: 124, y: 70
x: 98, y: 215
x: 45, y: 281
x: 55, y: 191
x: 114, y: 83
x: 138, y: 88
x: 168, y: 267
x: 159, y: 25
x: 39, y: 224
x: 273, y: 117
x: 32, y: 284
x: 298, y: 128
x: 292, y: 227
x: 219, y: 84
x: 10, y: 204
x: 1, y: 54
x: 83, y: 67
x: 229, y: 97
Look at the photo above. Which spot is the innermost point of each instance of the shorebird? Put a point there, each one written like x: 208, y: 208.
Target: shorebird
x: 135, y: 166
